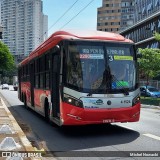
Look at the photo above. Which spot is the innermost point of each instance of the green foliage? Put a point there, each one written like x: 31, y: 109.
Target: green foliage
x: 11, y: 72
x: 156, y: 36
x: 6, y: 59
x: 149, y: 64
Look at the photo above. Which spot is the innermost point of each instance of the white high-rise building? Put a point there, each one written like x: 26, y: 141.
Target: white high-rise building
x: 0, y: 11
x: 24, y: 26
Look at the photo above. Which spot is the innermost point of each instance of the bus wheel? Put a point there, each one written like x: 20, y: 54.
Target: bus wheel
x: 47, y: 111
x: 22, y: 97
x: 25, y: 101
x: 47, y: 114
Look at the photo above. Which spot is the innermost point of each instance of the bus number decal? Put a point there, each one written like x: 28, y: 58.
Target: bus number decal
x: 91, y: 56
x: 110, y: 58
x: 84, y: 56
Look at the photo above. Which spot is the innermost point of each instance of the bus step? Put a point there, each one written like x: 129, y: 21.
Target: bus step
x: 56, y: 120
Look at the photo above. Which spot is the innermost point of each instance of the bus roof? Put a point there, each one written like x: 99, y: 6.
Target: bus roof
x: 89, y: 35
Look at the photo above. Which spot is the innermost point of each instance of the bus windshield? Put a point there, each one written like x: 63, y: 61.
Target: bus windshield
x: 100, y: 67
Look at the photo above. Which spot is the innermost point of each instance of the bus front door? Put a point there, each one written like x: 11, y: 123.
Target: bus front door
x: 55, y: 98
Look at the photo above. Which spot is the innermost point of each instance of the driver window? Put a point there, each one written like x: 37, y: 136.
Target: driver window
x: 93, y: 74
x: 74, y: 75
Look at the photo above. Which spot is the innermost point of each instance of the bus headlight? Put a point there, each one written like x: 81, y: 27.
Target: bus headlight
x: 136, y: 100
x: 73, y: 101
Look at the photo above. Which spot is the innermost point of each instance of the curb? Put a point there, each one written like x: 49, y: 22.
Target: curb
x: 149, y: 106
x: 17, y: 136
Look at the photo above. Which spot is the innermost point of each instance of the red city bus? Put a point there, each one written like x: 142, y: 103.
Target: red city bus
x: 82, y: 77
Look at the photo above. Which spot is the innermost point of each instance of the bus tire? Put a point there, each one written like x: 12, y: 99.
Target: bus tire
x: 22, y: 97
x: 47, y: 111
x: 25, y: 101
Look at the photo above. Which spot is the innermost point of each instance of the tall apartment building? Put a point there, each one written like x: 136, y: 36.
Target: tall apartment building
x: 147, y: 21
x: 0, y: 23
x: 24, y: 25
x: 0, y: 11
x: 127, y: 13
x: 115, y: 15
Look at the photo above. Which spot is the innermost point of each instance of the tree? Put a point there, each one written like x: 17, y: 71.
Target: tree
x: 149, y: 63
x: 156, y: 36
x: 7, y: 65
x: 6, y: 58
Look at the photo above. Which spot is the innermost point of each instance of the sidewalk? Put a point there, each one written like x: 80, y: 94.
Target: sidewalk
x: 13, y: 141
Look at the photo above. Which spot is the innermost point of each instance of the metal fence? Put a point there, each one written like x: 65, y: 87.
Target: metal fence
x: 154, y: 83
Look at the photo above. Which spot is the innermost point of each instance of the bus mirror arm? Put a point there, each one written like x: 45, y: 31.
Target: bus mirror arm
x: 56, y: 49
x: 139, y: 55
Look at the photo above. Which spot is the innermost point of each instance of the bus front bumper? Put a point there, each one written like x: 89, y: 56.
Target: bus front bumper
x: 80, y: 116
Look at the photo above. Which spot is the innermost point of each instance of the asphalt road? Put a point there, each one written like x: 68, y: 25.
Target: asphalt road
x: 92, y: 140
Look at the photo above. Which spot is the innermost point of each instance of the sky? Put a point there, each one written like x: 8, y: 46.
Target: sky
x: 55, y: 9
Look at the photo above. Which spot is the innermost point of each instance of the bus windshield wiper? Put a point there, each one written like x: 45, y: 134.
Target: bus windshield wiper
x: 93, y: 92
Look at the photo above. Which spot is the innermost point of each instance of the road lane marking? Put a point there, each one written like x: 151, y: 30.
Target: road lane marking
x: 125, y: 127
x: 152, y: 136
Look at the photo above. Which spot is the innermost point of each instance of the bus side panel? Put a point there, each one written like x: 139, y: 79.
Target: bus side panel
x: 25, y: 91
x: 72, y: 115
x: 39, y: 98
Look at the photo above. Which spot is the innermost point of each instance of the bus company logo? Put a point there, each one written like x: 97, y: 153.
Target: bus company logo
x: 98, y: 102
x: 6, y: 154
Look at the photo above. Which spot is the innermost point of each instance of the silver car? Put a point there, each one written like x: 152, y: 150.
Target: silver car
x: 5, y: 86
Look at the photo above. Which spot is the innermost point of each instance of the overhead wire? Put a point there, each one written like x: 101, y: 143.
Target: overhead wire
x: 76, y: 14
x: 66, y: 13
x: 61, y: 16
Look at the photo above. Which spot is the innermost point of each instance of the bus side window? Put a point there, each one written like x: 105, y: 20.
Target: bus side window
x: 37, y: 81
x: 47, y: 73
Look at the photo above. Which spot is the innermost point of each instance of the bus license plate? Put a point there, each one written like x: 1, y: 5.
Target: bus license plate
x: 108, y: 121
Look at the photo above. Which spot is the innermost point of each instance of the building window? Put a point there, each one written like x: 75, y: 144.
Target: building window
x: 158, y: 23
x: 156, y: 3
x: 149, y: 7
x: 143, y: 10
x: 152, y: 26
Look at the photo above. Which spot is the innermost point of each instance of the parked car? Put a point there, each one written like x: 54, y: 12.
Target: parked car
x: 15, y: 86
x: 5, y: 86
x: 15, y: 83
x: 149, y: 91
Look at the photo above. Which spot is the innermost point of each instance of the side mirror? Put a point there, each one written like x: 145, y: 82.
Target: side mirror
x: 56, y: 49
x: 139, y: 55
